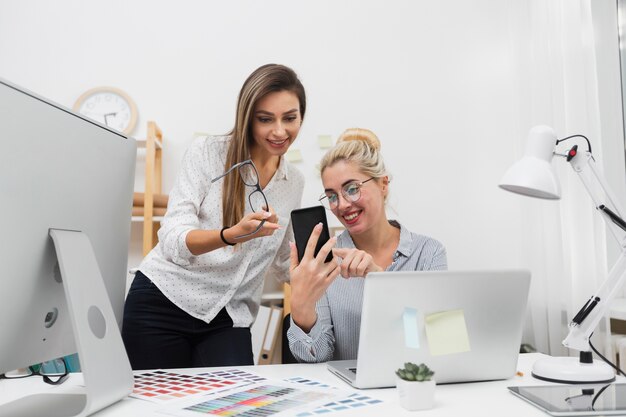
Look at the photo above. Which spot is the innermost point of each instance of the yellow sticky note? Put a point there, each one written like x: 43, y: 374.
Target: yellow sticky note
x: 293, y: 155
x: 325, y: 141
x: 198, y: 134
x: 446, y: 332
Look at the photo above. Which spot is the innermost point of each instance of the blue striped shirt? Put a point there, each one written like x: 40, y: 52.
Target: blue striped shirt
x: 335, y: 335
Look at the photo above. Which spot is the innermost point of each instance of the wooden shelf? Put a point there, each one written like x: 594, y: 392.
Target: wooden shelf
x: 142, y: 143
x: 153, y: 145
x: 270, y: 296
x: 141, y: 219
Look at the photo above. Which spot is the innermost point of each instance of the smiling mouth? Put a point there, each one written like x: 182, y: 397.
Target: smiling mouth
x: 351, y: 218
x: 278, y: 143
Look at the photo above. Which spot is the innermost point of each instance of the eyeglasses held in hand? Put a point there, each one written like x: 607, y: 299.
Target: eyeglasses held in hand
x: 351, y: 192
x: 250, y: 177
x: 53, y: 372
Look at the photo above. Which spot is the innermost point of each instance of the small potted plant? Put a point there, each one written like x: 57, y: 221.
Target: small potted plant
x: 416, y: 387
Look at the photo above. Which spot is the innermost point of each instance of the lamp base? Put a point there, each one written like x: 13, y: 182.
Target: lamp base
x: 569, y: 370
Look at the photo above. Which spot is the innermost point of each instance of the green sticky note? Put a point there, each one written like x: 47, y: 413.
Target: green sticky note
x: 293, y: 155
x: 446, y: 332
x: 325, y: 141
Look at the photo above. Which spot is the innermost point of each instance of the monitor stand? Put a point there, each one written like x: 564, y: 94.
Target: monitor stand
x: 107, y: 373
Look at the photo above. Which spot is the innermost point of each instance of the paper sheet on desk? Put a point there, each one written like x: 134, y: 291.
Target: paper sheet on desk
x: 275, y: 398
x: 446, y: 332
x: 161, y: 386
x: 355, y: 400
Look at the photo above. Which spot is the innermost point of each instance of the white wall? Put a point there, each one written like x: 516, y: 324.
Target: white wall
x: 443, y: 84
x: 439, y: 83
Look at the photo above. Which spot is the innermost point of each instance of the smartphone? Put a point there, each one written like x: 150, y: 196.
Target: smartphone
x: 303, y: 221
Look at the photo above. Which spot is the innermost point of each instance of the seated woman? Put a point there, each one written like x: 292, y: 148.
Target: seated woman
x: 326, y: 312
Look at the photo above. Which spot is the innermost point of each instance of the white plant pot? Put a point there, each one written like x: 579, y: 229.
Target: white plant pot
x: 416, y: 395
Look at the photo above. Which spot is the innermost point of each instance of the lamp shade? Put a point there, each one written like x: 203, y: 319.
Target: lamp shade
x: 533, y: 175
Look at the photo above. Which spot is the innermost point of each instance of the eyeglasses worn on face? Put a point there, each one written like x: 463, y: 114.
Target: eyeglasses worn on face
x: 351, y: 192
x: 250, y: 177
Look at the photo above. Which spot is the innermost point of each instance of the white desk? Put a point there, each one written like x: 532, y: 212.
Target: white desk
x: 472, y: 399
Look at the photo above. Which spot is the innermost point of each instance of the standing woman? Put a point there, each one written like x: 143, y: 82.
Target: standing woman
x: 325, y: 311
x: 196, y: 294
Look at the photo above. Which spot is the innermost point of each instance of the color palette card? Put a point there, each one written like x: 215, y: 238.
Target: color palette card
x: 275, y: 398
x: 163, y: 386
x: 235, y: 375
x: 352, y: 401
x: 309, y: 382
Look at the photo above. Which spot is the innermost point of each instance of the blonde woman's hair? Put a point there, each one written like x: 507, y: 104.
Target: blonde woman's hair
x: 266, y: 79
x: 362, y: 148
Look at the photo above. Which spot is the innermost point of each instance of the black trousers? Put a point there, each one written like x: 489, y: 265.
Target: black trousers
x: 158, y: 334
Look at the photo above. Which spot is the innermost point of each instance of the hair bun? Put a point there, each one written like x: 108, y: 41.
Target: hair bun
x: 359, y: 134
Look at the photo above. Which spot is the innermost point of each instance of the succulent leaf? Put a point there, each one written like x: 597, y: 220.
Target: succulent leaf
x: 413, y: 372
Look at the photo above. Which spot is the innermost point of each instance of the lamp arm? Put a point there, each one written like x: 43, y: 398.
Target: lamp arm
x: 601, y: 194
x: 593, y: 311
x: 586, y: 320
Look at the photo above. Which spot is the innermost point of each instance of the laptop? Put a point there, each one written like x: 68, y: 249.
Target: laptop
x: 465, y: 325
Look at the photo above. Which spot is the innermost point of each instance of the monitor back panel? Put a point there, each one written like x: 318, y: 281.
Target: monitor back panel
x: 57, y: 170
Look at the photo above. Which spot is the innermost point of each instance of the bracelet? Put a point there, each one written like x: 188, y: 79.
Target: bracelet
x: 224, y: 239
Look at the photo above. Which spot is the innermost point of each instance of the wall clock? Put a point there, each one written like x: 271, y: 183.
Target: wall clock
x: 109, y: 106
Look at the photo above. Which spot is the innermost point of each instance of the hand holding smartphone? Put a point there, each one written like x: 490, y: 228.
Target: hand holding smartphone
x: 303, y: 221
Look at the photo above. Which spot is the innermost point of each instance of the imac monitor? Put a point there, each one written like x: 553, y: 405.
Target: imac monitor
x: 66, y: 187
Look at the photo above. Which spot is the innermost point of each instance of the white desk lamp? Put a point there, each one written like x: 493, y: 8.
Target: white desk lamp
x: 534, y: 176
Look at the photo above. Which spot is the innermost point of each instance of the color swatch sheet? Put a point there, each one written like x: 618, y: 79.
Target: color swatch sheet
x: 234, y: 375
x: 164, y: 386
x: 270, y: 398
x: 353, y: 401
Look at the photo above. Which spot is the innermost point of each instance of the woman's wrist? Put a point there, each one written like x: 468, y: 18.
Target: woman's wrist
x: 233, y: 233
x: 226, y: 239
x: 303, y: 317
